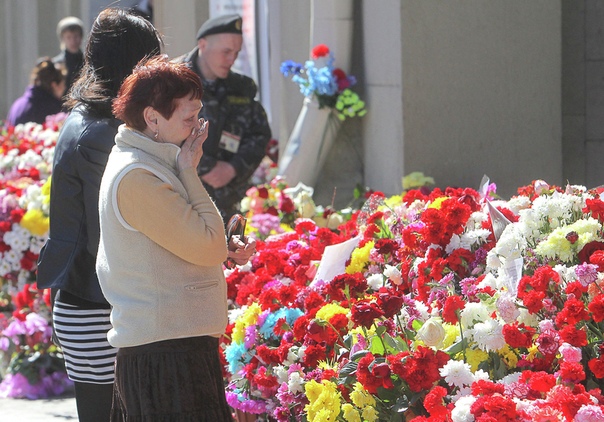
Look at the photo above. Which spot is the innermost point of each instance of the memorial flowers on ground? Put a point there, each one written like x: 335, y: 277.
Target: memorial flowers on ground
x: 34, y: 365
x: 434, y: 315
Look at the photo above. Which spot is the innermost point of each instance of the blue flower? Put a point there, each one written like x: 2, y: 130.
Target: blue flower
x: 290, y: 67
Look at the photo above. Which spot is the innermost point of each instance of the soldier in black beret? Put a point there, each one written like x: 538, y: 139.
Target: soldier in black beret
x: 238, y: 131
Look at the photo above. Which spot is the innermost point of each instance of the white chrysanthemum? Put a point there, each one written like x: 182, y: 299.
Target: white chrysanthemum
x: 280, y: 372
x: 457, y: 373
x: 23, y: 279
x: 472, y: 313
x: 13, y: 258
x: 375, y: 281
x: 295, y: 384
x: 488, y: 335
x: 518, y: 203
x: 481, y: 375
x: 461, y: 411
x: 510, y: 378
x: 36, y: 244
x: 5, y: 267
x: 17, y: 238
x: 423, y: 310
x: 489, y: 280
x: 235, y: 313
x: 494, y: 261
x: 511, y: 243
x: 507, y: 308
x: 454, y: 243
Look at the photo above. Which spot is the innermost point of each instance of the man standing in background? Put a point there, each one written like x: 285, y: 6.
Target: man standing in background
x: 70, y: 31
x: 239, y: 129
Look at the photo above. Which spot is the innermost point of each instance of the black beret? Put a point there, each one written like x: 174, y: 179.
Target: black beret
x: 225, y: 24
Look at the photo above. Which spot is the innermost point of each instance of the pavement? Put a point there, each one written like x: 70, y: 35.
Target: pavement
x: 60, y: 408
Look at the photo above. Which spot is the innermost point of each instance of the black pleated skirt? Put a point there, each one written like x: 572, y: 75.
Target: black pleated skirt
x: 170, y: 381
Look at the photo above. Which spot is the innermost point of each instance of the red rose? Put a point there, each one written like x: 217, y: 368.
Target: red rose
x: 589, y: 249
x: 364, y: 313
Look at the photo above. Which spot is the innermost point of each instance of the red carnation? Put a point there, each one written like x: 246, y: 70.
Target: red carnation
x: 597, y: 258
x: 572, y: 372
x: 597, y: 367
x: 518, y: 335
x: 573, y: 336
x: 434, y: 402
x: 596, y: 207
x: 320, y: 50
x: 452, y: 305
x: 596, y: 307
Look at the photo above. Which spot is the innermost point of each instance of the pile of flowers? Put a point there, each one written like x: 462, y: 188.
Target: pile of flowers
x: 434, y: 316
x: 319, y: 78
x: 35, y: 366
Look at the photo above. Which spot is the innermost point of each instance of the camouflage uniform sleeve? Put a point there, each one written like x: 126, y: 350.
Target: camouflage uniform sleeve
x: 252, y: 147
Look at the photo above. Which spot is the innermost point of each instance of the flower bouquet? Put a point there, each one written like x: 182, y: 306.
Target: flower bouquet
x: 433, y: 318
x: 328, y: 84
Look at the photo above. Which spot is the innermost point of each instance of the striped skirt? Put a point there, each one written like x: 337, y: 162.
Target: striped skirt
x: 82, y: 335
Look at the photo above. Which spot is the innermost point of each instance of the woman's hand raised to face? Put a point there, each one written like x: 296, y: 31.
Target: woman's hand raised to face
x: 192, y: 149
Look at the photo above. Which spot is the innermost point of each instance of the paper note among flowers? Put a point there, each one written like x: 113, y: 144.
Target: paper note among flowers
x: 334, y: 259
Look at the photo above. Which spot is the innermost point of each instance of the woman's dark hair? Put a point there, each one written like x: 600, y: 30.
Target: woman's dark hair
x: 155, y: 82
x: 118, y: 40
x: 45, y: 72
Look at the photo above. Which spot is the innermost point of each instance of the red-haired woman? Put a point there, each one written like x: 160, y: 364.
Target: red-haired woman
x: 161, y: 251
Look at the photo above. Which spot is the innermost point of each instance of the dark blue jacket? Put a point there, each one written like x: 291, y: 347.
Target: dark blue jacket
x: 67, y: 261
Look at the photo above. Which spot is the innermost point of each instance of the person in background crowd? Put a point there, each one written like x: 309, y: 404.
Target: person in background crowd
x: 117, y: 41
x: 239, y: 129
x: 161, y: 251
x: 70, y: 31
x: 42, y: 97
x: 144, y: 8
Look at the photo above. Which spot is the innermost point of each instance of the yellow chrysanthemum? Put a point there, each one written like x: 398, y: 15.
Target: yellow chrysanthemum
x: 451, y: 334
x: 532, y: 353
x: 475, y: 357
x: 329, y: 310
x: 361, y: 397
x: 394, y: 201
x: 35, y: 221
x: 437, y: 203
x: 416, y: 179
x: 509, y: 357
x: 45, y: 191
x: 359, y: 258
x: 249, y: 317
x: 324, y: 401
x: 350, y: 414
x: 370, y: 414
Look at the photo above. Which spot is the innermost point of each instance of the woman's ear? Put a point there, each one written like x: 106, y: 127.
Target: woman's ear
x: 150, y: 116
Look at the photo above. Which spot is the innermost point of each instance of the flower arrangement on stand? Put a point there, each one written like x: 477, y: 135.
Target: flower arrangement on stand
x: 433, y: 317
x: 34, y: 365
x: 319, y: 78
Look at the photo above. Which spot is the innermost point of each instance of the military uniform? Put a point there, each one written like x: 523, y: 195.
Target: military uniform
x: 239, y: 133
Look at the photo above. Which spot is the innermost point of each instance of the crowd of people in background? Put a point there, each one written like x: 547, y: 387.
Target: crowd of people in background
x: 194, y: 143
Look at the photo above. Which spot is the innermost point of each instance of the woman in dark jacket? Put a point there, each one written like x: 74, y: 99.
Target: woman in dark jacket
x: 117, y: 41
x: 42, y: 97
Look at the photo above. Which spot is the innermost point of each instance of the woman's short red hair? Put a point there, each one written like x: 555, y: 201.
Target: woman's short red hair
x: 155, y: 82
